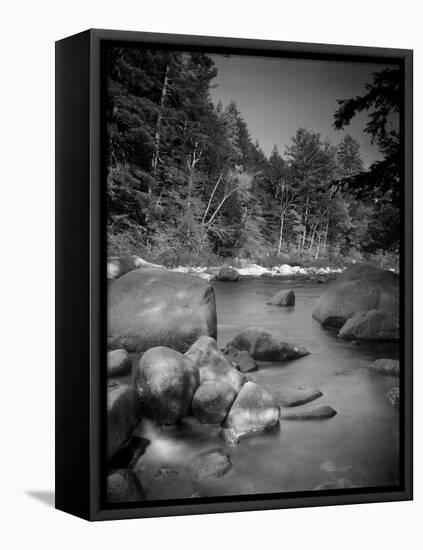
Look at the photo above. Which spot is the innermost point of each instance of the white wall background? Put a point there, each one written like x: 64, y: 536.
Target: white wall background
x: 29, y: 29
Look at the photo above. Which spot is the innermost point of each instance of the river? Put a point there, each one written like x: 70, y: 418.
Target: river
x: 361, y: 443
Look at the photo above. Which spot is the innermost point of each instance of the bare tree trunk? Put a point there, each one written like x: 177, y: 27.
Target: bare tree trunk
x: 282, y: 215
x: 157, y: 135
x: 192, y: 161
x: 318, y: 247
x: 219, y: 179
x: 305, y: 220
x: 222, y: 202
x: 326, y: 237
x: 310, y: 248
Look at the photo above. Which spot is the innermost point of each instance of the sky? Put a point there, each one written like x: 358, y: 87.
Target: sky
x: 276, y: 96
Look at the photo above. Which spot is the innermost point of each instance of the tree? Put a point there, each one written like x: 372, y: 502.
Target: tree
x: 382, y: 102
x: 311, y: 172
x: 349, y: 158
x: 380, y: 184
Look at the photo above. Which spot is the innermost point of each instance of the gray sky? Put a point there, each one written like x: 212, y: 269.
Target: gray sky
x: 277, y: 96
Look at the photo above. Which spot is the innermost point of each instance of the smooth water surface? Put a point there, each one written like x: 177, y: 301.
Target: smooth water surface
x: 361, y: 443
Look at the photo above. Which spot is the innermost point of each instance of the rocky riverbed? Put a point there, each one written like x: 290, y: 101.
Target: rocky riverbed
x: 277, y: 403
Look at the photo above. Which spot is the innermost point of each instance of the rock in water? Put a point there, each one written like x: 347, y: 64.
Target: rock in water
x: 118, y: 363
x: 319, y: 413
x: 229, y: 436
x: 394, y: 397
x: 123, y: 486
x: 213, y: 365
x: 265, y: 345
x: 124, y: 410
x: 120, y: 265
x: 254, y: 411
x: 241, y: 360
x: 284, y: 298
x: 166, y: 381
x: 359, y: 288
x: 211, y: 464
x: 293, y: 397
x: 341, y: 483
x: 228, y: 274
x: 129, y: 455
x: 154, y: 307
x: 375, y: 324
x: 388, y: 367
x: 212, y: 401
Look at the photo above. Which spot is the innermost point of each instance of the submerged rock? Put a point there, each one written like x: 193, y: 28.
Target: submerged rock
x: 155, y: 307
x: 265, y: 345
x: 293, y: 397
x: 394, y: 397
x: 212, y: 401
x: 341, y: 483
x: 241, y: 360
x: 228, y: 274
x: 118, y: 363
x: 333, y: 468
x: 166, y: 381
x: 165, y: 472
x: 319, y: 413
x: 375, y: 324
x: 124, y: 412
x: 284, y: 298
x: 211, y: 464
x: 123, y: 486
x: 359, y: 288
x: 254, y: 411
x: 213, y: 365
x: 388, y: 367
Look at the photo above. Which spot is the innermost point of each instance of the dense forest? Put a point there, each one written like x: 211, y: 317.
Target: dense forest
x: 188, y: 185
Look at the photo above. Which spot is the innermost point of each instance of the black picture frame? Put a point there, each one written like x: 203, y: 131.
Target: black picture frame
x: 81, y: 283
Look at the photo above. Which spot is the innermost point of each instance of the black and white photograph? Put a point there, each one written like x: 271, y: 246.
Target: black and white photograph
x: 253, y: 274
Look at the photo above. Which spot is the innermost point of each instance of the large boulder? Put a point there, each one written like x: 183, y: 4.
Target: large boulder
x: 118, y: 363
x: 359, y: 288
x: 120, y: 265
x: 213, y: 364
x: 283, y: 298
x: 123, y: 486
x: 388, y: 367
x: 166, y: 381
x: 212, y: 401
x: 375, y: 324
x: 124, y: 411
x: 265, y: 345
x: 154, y: 307
x: 228, y: 274
x: 211, y: 464
x: 254, y: 411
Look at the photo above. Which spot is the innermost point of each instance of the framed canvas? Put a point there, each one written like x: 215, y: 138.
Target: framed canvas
x: 234, y: 275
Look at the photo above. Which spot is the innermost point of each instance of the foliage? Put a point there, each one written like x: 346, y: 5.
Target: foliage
x: 186, y: 183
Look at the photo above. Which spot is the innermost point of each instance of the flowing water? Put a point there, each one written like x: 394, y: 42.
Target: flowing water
x: 361, y: 443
